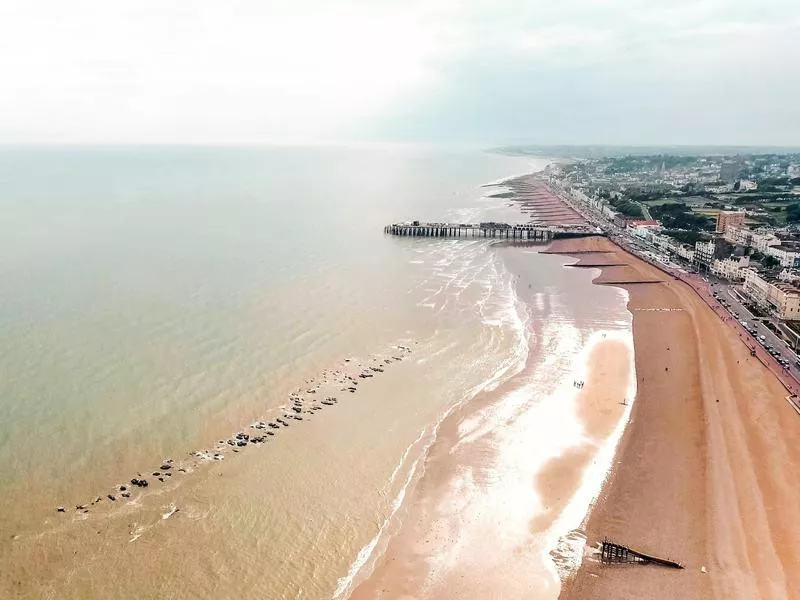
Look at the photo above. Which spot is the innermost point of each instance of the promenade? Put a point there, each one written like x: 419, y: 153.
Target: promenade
x: 703, y: 289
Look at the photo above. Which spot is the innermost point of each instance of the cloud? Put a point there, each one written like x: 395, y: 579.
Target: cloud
x: 213, y: 71
x: 255, y: 71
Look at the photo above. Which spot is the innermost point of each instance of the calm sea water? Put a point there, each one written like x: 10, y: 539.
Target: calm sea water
x: 155, y: 300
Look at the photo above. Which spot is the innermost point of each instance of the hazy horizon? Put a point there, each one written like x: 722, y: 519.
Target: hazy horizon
x: 478, y: 72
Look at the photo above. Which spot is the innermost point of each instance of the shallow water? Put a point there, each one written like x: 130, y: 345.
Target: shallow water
x: 155, y: 301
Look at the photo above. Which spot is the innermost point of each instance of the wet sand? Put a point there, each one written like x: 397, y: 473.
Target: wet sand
x: 707, y: 471
x: 472, y: 526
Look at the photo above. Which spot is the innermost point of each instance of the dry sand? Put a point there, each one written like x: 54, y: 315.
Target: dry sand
x: 707, y: 472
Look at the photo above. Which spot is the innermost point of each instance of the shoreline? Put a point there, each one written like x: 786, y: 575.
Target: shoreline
x: 701, y: 470
x: 435, y: 553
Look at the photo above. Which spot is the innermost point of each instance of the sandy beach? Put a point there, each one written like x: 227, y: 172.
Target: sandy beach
x: 707, y: 471
x: 480, y: 520
x: 534, y: 199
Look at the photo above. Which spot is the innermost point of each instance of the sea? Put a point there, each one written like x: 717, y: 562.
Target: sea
x: 155, y: 301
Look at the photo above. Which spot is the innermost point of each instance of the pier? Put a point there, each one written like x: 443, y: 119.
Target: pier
x: 488, y: 230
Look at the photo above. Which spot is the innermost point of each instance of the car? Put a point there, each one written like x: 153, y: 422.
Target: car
x: 762, y: 337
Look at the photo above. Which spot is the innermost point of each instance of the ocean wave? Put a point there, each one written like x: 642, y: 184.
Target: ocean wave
x: 566, y: 550
x: 344, y: 584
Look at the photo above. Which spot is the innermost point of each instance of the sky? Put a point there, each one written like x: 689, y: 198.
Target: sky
x: 632, y: 72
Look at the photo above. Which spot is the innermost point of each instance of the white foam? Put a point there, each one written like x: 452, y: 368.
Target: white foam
x: 561, y: 538
x: 344, y: 584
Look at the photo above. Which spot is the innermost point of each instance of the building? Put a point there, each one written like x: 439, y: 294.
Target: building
x: 758, y: 240
x: 787, y: 302
x: 729, y: 170
x: 732, y: 269
x: 704, y: 252
x: 620, y: 220
x: 727, y: 219
x: 756, y: 287
x: 777, y: 297
x: 786, y: 258
x: 738, y: 235
x: 651, y: 223
x: 763, y: 241
x: 685, y: 251
x: 746, y: 185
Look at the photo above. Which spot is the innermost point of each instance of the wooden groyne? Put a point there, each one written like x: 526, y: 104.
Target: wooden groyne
x: 616, y: 553
x: 486, y: 230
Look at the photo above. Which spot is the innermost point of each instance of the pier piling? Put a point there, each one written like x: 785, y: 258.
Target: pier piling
x: 488, y: 230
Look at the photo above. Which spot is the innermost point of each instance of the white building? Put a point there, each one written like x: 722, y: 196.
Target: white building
x: 762, y: 241
x: 747, y: 185
x: 787, y: 258
x: 684, y: 251
x: 756, y: 287
x: 738, y: 235
x: 759, y: 240
x: 781, y: 299
x: 732, y: 269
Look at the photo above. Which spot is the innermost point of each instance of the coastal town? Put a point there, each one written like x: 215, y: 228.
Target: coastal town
x: 733, y: 220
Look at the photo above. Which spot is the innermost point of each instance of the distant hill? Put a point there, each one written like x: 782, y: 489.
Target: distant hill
x: 600, y: 151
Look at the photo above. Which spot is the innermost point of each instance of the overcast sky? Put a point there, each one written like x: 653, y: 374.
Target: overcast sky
x: 465, y: 71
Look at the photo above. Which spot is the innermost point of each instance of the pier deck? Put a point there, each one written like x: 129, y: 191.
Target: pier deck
x: 488, y: 230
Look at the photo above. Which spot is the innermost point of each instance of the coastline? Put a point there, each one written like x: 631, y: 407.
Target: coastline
x: 707, y: 463
x: 481, y: 524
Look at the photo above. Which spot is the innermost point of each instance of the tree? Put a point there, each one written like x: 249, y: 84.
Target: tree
x: 793, y: 212
x: 770, y: 261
